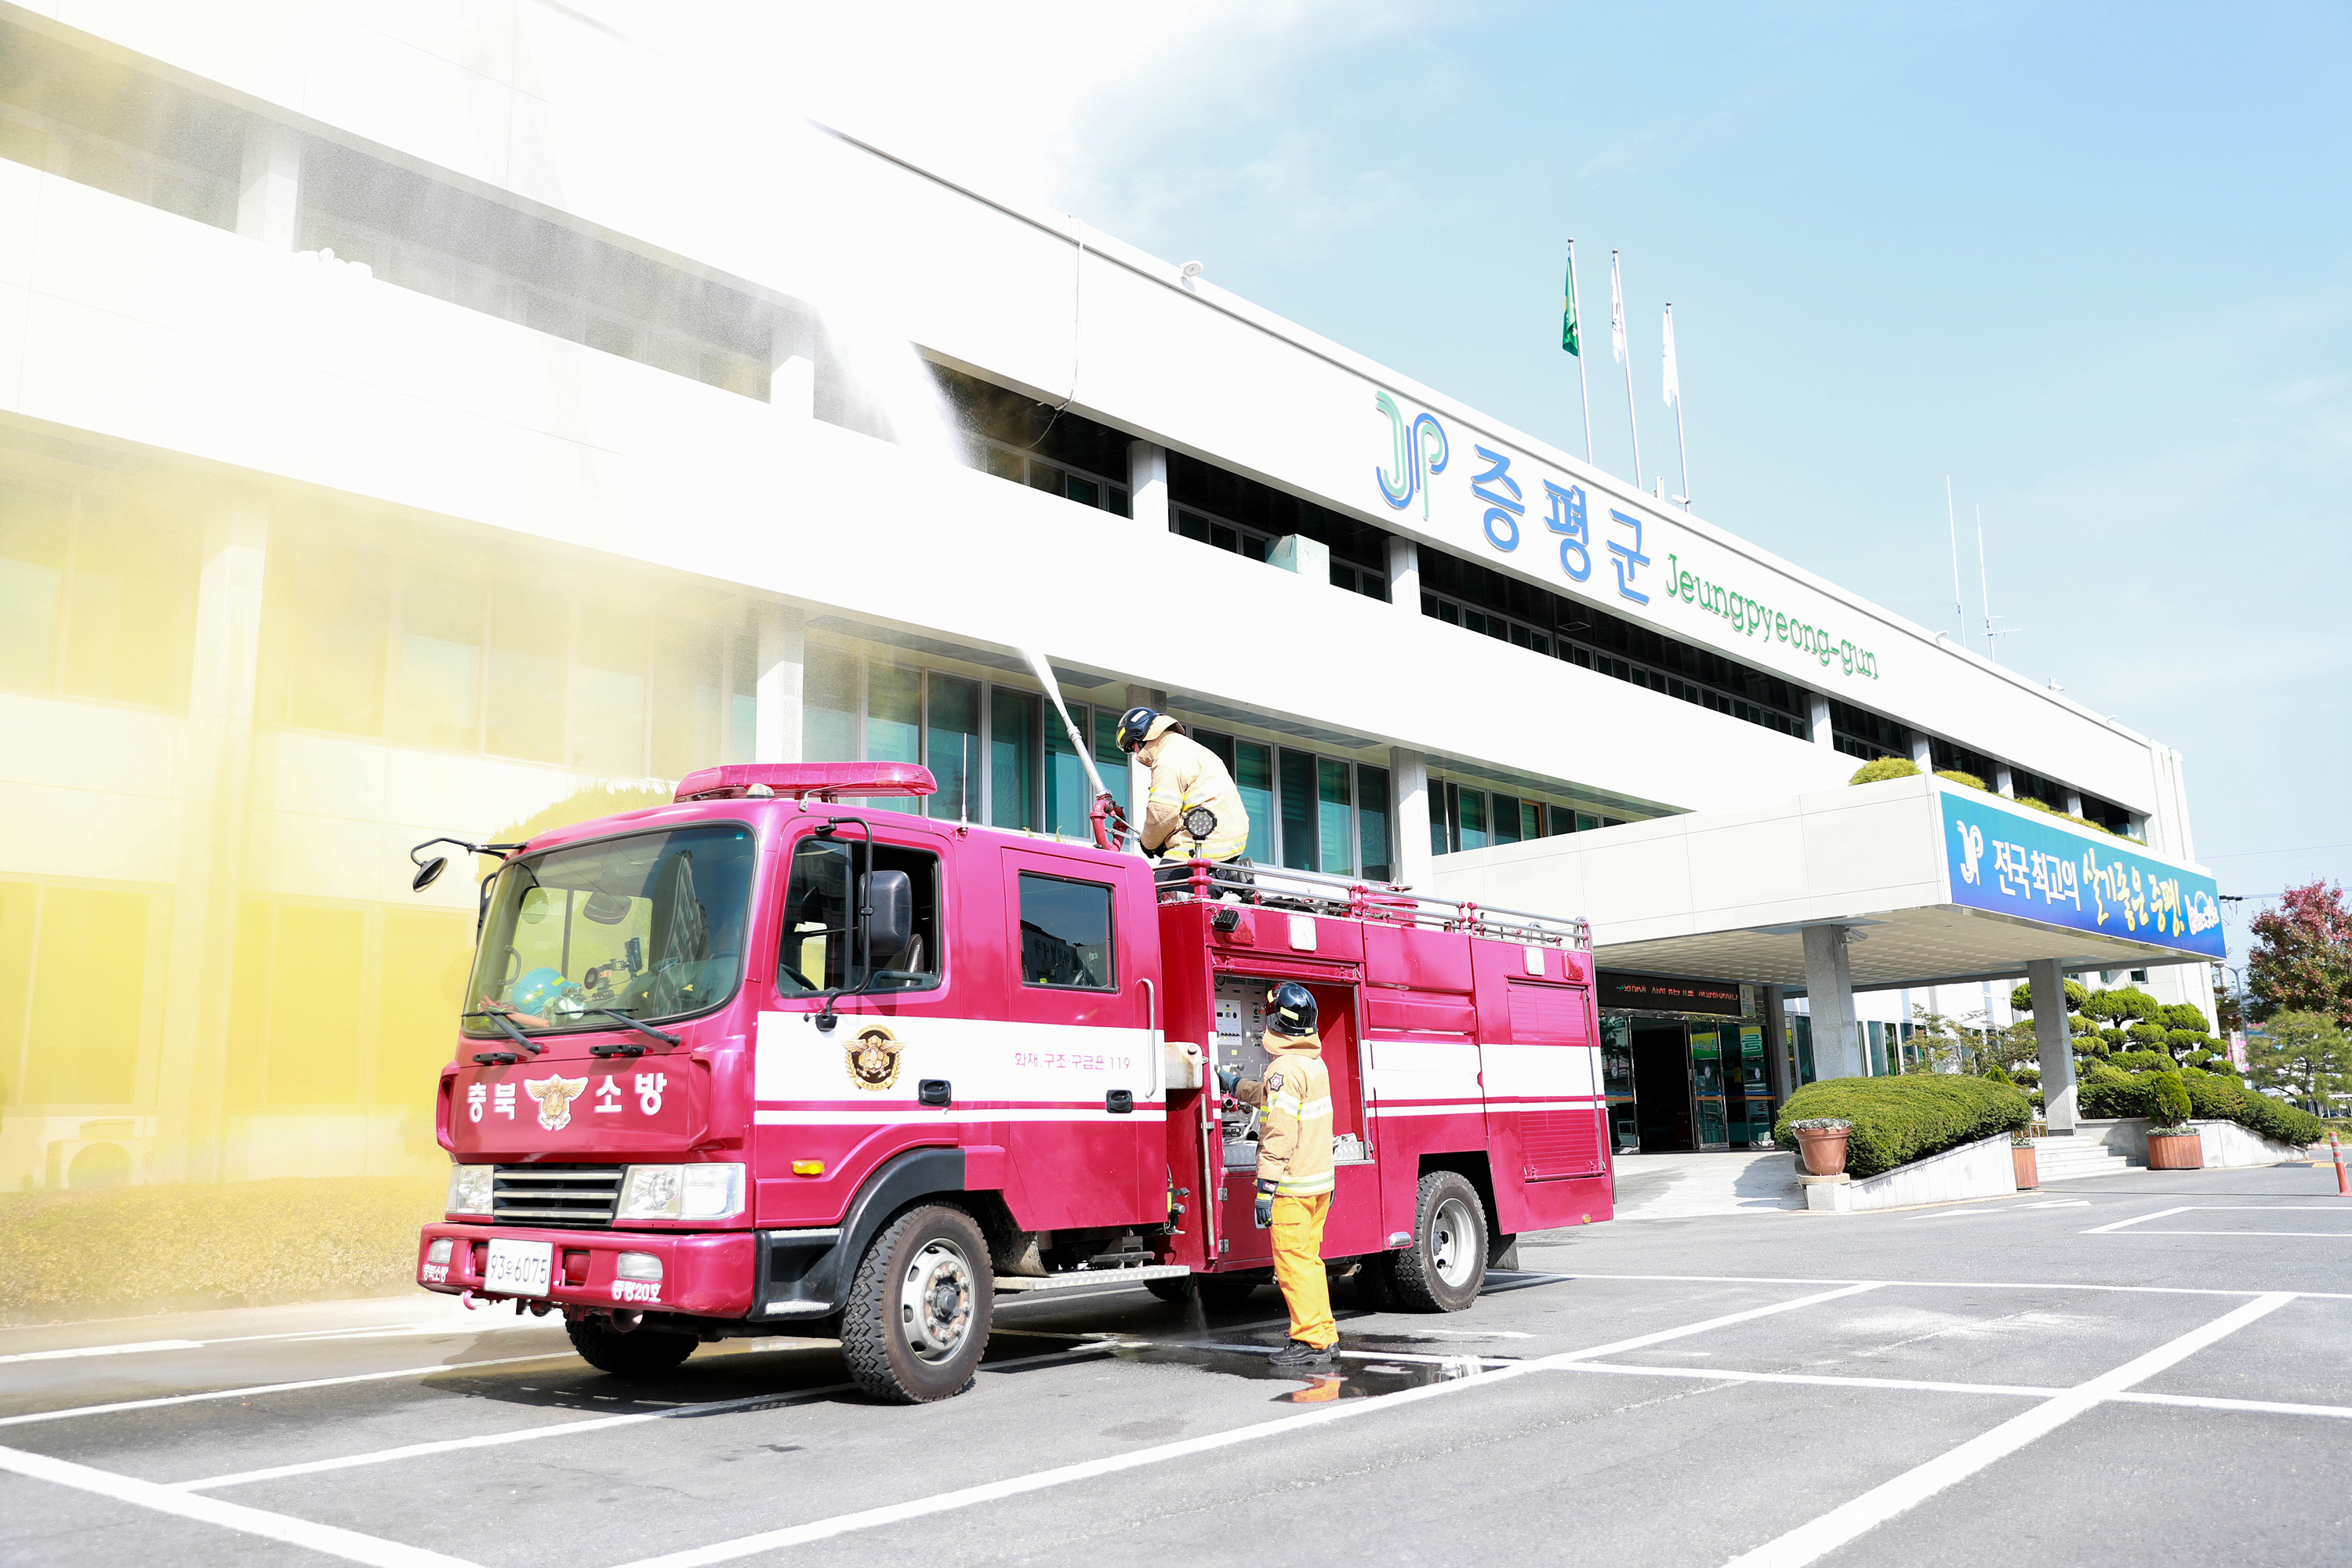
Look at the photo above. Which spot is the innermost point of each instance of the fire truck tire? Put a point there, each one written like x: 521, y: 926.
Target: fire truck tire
x: 642, y: 1354
x: 1447, y: 1264
x: 920, y: 1307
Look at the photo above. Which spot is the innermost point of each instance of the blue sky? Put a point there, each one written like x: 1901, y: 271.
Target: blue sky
x: 2095, y: 263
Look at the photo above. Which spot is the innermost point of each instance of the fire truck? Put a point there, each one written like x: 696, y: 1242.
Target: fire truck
x: 779, y: 1059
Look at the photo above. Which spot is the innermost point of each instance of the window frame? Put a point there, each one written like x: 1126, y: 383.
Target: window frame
x: 1110, y: 891
x: 867, y: 842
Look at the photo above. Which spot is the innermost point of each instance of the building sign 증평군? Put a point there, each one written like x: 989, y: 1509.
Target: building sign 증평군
x: 2000, y: 858
x: 1545, y: 524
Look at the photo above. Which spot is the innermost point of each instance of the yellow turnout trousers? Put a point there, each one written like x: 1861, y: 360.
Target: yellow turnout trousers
x: 1298, y: 1268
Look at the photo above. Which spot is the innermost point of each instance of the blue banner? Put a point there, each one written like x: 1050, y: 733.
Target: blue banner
x: 2008, y: 860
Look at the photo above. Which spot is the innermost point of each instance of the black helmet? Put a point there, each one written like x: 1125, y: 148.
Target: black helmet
x: 1290, y: 1008
x: 1134, y: 725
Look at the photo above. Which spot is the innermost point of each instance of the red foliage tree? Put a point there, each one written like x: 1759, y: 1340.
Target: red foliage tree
x: 2302, y: 960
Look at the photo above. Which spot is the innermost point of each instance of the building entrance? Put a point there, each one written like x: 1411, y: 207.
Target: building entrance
x: 1683, y: 1083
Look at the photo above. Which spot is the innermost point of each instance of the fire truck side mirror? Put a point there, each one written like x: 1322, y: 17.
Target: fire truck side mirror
x: 426, y: 873
x: 888, y: 899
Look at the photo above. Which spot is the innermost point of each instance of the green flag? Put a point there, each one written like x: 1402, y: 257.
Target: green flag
x: 1568, y: 338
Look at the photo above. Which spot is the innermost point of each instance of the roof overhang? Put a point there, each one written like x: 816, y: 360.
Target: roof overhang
x: 1936, y: 883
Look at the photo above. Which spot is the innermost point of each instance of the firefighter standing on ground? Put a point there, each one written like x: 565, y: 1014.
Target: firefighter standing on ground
x: 1186, y: 777
x: 1293, y: 1168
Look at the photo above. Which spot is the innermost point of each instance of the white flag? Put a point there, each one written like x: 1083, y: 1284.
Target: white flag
x: 1674, y: 384
x: 1616, y: 311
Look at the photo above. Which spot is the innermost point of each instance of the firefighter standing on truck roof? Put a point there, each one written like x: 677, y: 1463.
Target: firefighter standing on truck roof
x: 1194, y: 812
x: 1293, y: 1168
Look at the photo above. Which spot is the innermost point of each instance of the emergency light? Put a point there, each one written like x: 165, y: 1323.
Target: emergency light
x: 800, y: 780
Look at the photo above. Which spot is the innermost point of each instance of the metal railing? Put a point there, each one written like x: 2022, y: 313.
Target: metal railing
x: 1314, y: 893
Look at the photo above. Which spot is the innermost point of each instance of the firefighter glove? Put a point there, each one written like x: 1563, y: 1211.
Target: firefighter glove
x: 1227, y: 1078
x: 1265, y: 1210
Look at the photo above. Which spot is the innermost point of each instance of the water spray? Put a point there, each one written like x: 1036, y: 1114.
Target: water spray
x: 1111, y: 830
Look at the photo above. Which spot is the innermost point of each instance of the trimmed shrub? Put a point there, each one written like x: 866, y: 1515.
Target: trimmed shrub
x: 2212, y: 1097
x: 1957, y: 777
x: 1999, y: 1074
x: 2171, y: 1100
x: 1882, y: 768
x: 2026, y: 1076
x: 2125, y: 1004
x: 2020, y: 997
x: 1899, y: 1120
x: 2028, y: 801
x: 2180, y: 1015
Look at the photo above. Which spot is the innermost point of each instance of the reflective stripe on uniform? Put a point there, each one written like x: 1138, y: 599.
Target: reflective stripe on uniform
x: 1306, y: 1186
x: 1305, y: 1110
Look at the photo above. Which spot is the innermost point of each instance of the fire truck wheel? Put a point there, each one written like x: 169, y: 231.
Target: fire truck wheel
x: 920, y: 1308
x: 639, y: 1354
x: 1447, y: 1262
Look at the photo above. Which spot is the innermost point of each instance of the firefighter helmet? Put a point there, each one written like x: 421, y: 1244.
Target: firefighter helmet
x: 1135, y: 726
x: 1290, y: 1008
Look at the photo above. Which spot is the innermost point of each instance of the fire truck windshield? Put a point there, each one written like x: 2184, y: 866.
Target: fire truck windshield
x: 650, y: 925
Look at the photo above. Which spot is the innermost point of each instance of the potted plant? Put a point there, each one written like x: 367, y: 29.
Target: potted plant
x: 2176, y: 1148
x: 2028, y: 1169
x: 1822, y: 1139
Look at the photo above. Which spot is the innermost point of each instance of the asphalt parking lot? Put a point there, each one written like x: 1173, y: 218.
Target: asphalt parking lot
x: 2151, y: 1368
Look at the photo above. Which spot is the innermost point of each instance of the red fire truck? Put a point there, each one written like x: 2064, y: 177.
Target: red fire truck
x: 776, y: 1060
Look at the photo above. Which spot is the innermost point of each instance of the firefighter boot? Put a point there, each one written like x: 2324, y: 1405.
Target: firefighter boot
x: 1300, y: 1355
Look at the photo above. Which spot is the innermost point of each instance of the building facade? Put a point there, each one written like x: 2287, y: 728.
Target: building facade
x: 397, y: 438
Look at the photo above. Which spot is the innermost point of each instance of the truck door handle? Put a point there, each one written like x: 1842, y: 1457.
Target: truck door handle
x: 1120, y: 1102
x: 935, y: 1092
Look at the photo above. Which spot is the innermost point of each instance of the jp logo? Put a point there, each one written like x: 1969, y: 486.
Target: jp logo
x: 1420, y: 452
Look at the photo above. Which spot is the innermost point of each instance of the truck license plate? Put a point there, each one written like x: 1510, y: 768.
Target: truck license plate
x: 520, y: 1268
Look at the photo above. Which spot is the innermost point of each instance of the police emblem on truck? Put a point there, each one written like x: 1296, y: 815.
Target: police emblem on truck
x: 873, y: 1057
x: 555, y: 1096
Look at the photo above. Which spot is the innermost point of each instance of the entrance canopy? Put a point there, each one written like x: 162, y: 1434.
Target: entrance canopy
x: 1926, y: 882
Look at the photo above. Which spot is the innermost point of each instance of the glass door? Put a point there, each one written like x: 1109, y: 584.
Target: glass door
x: 1752, y: 1103
x: 1617, y: 1083
x: 1713, y: 1123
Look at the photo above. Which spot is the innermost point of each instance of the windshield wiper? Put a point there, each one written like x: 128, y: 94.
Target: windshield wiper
x: 631, y: 1050
x: 517, y: 1036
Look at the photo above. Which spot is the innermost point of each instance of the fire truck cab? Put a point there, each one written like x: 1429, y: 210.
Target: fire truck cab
x: 778, y: 1058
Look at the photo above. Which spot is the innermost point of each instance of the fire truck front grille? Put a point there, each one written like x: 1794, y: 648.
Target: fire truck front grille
x: 556, y: 1194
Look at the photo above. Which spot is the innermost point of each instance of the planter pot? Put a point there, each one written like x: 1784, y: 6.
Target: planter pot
x: 2029, y: 1170
x: 1825, y: 1150
x: 2176, y: 1152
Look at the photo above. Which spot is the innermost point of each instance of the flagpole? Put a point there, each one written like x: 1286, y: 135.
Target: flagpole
x: 1617, y: 341
x: 1984, y: 590
x: 1583, y: 386
x: 1680, y: 440
x: 1952, y: 523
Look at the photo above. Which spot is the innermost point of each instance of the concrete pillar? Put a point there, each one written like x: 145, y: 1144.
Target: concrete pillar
x: 791, y: 386
x: 2055, y: 1042
x: 1923, y: 751
x: 1146, y: 485
x: 215, y: 789
x: 1310, y: 558
x: 269, y: 186
x: 1139, y: 778
x: 1824, y: 735
x: 1404, y: 574
x: 2074, y: 803
x: 1779, y: 1069
x: 2004, y: 783
x: 1828, y: 996
x: 1415, y: 867
x: 776, y: 694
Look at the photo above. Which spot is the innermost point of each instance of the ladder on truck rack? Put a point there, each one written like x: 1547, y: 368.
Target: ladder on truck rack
x: 1313, y: 892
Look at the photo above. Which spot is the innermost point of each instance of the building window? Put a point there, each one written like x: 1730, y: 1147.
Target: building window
x: 1949, y: 756
x: 1219, y: 534
x: 1007, y: 462
x: 97, y: 595
x: 1860, y: 733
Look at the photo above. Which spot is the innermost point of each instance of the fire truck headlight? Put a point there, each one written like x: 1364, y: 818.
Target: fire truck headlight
x: 643, y: 1266
x: 682, y: 1192
x: 439, y: 1253
x: 713, y: 1192
x: 469, y: 1189
x: 650, y: 1191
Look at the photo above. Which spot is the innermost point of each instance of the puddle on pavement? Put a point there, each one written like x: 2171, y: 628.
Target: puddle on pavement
x: 1358, y: 1373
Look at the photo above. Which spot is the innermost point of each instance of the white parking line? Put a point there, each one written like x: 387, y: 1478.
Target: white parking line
x: 1961, y: 1284
x: 1811, y: 1541
x: 991, y: 1491
x: 574, y: 1428
x: 272, y: 1388
x: 103, y: 1350
x: 331, y: 1540
x: 2138, y: 1219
